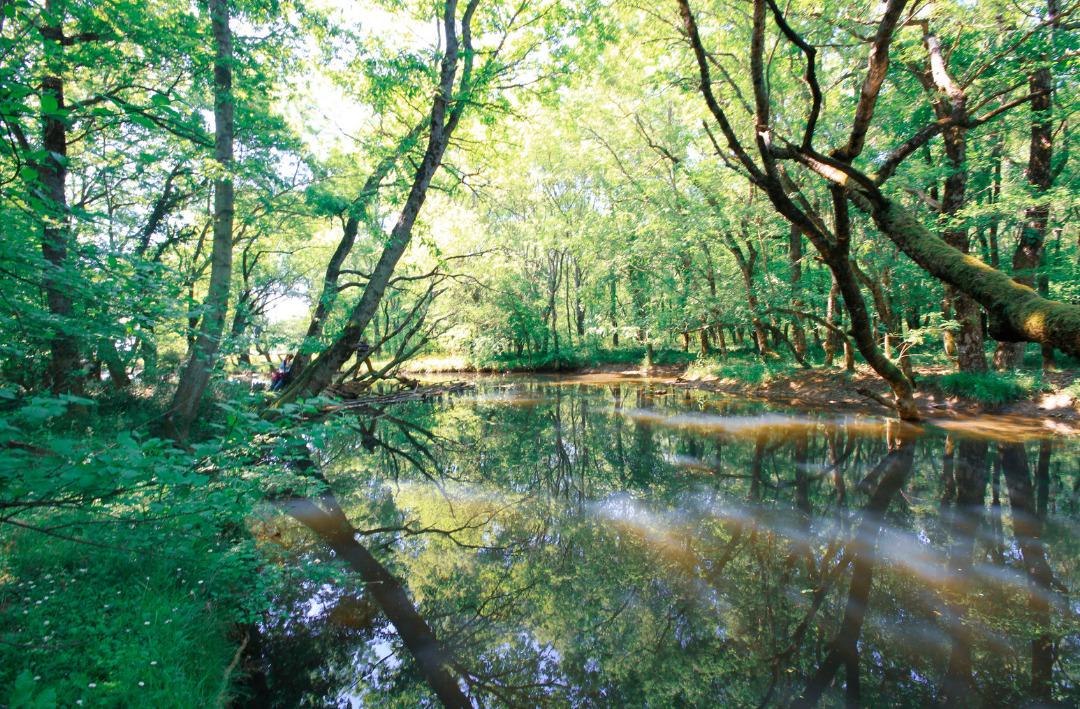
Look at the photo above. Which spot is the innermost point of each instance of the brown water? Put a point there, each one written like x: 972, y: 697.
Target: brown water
x: 598, y: 542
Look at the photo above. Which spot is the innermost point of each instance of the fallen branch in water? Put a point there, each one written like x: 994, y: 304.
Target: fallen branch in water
x: 876, y: 397
x: 229, y: 670
x: 423, y: 393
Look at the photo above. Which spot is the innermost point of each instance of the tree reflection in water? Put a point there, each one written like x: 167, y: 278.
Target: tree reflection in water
x: 540, y: 544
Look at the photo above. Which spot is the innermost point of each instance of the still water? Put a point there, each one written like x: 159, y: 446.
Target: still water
x: 605, y: 542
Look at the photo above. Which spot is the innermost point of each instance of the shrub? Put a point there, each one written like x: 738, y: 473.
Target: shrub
x: 994, y: 388
x: 749, y: 371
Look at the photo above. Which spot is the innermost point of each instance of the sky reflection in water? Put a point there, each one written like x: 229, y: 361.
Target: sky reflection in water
x: 622, y: 543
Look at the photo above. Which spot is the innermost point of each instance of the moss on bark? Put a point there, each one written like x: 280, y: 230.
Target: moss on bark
x: 1017, y: 312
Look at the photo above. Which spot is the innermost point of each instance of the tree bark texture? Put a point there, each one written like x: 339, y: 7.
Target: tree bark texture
x: 196, y: 374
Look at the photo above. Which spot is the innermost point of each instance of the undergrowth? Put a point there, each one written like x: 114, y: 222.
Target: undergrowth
x: 86, y: 626
x: 993, y: 388
x: 748, y: 370
x: 563, y: 359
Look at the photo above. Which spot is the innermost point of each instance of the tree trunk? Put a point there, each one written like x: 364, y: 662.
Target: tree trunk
x: 241, y: 320
x: 746, y: 262
x: 566, y: 302
x: 995, y: 198
x: 554, y: 275
x: 798, y: 335
x: 320, y: 373
x: 358, y: 211
x: 1017, y: 313
x: 118, y: 375
x: 879, y: 286
x: 149, y: 353
x: 1029, y: 247
x: 579, y: 307
x: 56, y: 234
x: 950, y: 99
x: 970, y: 354
x: 613, y: 310
x: 196, y: 374
x: 837, y: 257
x: 832, y: 316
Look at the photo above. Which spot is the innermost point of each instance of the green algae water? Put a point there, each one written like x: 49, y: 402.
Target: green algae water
x: 580, y: 542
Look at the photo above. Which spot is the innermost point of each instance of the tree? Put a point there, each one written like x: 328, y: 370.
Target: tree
x: 196, y: 374
x: 1016, y: 312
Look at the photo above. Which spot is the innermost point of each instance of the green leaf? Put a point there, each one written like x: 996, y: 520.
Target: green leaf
x: 49, y: 104
x: 141, y: 120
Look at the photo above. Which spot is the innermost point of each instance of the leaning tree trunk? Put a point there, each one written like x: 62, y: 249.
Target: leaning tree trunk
x: 1017, y: 313
x: 358, y: 211
x: 329, y: 295
x: 837, y: 257
x: 320, y: 373
x: 196, y: 374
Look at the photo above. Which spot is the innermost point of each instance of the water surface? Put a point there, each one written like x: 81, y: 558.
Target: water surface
x: 604, y: 542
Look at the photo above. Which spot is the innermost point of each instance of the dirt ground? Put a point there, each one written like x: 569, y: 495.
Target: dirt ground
x: 863, y: 390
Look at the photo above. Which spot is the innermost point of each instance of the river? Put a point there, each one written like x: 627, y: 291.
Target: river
x: 605, y: 541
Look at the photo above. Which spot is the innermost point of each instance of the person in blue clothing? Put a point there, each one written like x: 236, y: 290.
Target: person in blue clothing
x: 282, y: 375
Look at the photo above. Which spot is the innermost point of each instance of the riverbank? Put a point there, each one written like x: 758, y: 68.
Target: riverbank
x: 1052, y: 402
x: 1036, y: 399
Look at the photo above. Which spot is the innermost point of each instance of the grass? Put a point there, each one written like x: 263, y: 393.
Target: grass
x: 993, y: 388
x: 564, y: 359
x: 748, y: 369
x: 83, y: 626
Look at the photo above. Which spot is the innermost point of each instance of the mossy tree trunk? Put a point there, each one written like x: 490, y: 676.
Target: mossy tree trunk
x: 1029, y: 248
x: 950, y: 100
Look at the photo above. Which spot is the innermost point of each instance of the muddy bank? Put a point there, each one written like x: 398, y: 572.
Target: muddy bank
x: 833, y: 389
x: 863, y: 390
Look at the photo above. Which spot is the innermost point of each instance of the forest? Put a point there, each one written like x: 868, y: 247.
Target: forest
x: 539, y: 353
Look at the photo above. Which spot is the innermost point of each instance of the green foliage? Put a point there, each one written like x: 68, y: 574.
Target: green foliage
x: 569, y: 359
x: 993, y: 388
x: 748, y: 370
x: 113, y: 628
x: 125, y: 568
x: 579, y: 219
